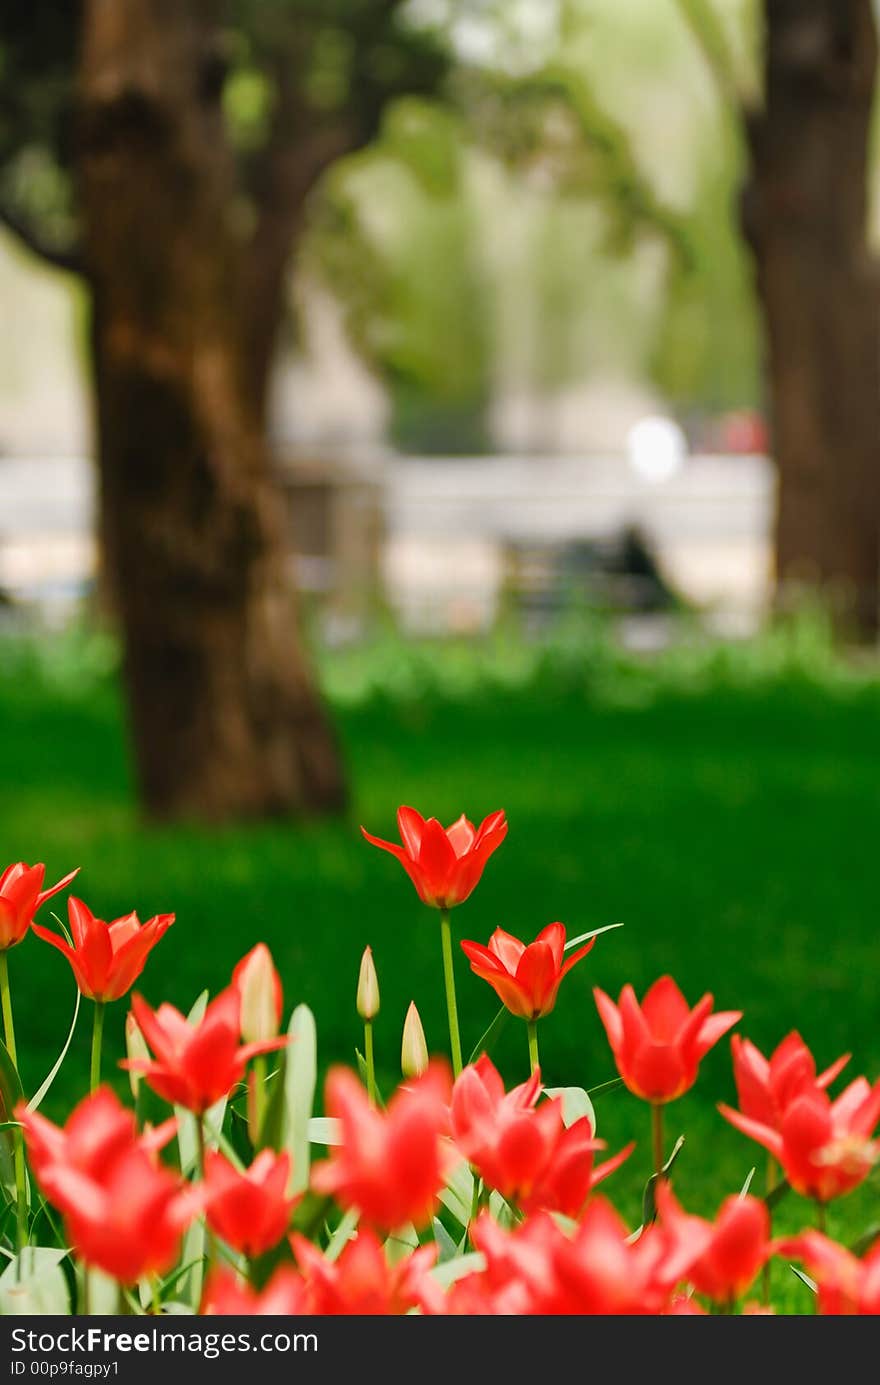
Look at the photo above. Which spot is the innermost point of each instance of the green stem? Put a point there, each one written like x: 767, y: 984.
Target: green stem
x: 17, y: 1137
x: 97, y: 1037
x: 369, y: 1059
x: 259, y: 1079
x: 657, y: 1137
x: 156, y: 1294
x: 475, y: 1206
x: 201, y: 1145
x: 770, y: 1179
x: 820, y: 1216
x: 534, y: 1060
x: 449, y: 978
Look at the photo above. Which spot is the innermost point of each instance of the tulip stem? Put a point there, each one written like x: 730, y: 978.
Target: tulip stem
x: 203, y: 1171
x: 97, y: 1038
x: 17, y: 1137
x: 820, y: 1216
x: 657, y: 1134
x: 370, y: 1061
x: 449, y: 978
x: 534, y: 1060
x: 259, y: 1078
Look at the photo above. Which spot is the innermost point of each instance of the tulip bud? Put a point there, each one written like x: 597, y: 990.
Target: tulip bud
x: 261, y: 998
x: 414, y: 1049
x: 135, y: 1047
x: 368, y: 987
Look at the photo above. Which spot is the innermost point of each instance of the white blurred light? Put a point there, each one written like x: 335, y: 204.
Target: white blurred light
x: 656, y: 449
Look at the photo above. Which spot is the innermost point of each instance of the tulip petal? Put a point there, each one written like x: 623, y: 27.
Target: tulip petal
x: 410, y: 825
x: 665, y: 1009
x: 764, y: 1134
x: 715, y: 1027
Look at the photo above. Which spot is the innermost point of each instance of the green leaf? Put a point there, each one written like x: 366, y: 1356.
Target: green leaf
x: 502, y: 1211
x: 446, y: 1246
x: 362, y: 1073
x: 776, y: 1194
x: 324, y: 1130
x: 649, y: 1208
x: 37, y: 1098
x: 804, y: 1278
x: 864, y: 1242
x: 300, y: 1079
x: 488, y: 1037
x: 401, y: 1244
x: 603, y: 1087
x: 342, y: 1235
x: 272, y: 1126
x: 458, y: 1195
x: 576, y: 1104
x: 743, y: 1192
x: 593, y: 933
x: 450, y: 1270
x: 35, y: 1283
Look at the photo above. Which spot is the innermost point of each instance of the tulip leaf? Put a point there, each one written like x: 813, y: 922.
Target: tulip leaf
x: 458, y: 1195
x: 269, y: 1135
x: 103, y: 1292
x: 34, y: 1283
x: 364, y: 1076
x: 324, y: 1130
x: 300, y: 1079
x: 487, y: 1039
x: 401, y: 1244
x: 611, y: 1085
x: 451, y: 1270
x: 342, y: 1235
x: 866, y: 1240
x: 38, y: 1096
x: 744, y: 1190
x: 576, y: 1104
x: 649, y: 1206
x: 804, y: 1278
x: 502, y: 1211
x: 593, y: 933
x: 447, y: 1248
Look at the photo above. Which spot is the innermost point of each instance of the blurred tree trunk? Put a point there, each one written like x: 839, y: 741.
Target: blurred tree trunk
x: 226, y: 721
x: 806, y: 215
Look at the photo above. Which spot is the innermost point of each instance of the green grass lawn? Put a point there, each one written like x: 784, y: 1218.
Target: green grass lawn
x: 726, y: 815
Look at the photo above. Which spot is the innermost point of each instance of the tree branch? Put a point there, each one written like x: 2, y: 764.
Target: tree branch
x: 68, y: 259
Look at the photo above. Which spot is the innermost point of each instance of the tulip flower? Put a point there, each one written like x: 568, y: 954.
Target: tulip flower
x: 824, y: 1146
x: 526, y: 978
x: 729, y: 1252
x: 21, y: 895
x: 250, y: 1211
x: 390, y: 1166
x: 846, y: 1286
x: 658, y: 1046
x: 414, y: 1046
x: 362, y: 1283
x: 106, y: 958
x: 195, y: 1065
x: 122, y: 1212
x: 227, y: 1296
x: 368, y: 987
x: 444, y: 864
x: 523, y: 1150
x: 262, y: 998
x: 766, y: 1086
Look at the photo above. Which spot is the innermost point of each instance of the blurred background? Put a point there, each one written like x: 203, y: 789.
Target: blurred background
x: 470, y: 403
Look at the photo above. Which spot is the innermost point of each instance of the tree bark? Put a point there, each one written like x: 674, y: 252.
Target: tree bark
x: 806, y: 215
x: 226, y: 722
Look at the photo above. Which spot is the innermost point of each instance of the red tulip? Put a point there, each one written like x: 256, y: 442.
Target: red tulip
x: 107, y: 958
x: 846, y: 1286
x: 525, y: 978
x: 123, y: 1213
x: 522, y: 1150
x: 823, y: 1146
x: 21, y: 895
x: 444, y: 864
x: 250, y: 1211
x: 389, y: 1166
x: 195, y: 1065
x: 262, y: 999
x: 729, y: 1252
x: 97, y: 1132
x: 766, y: 1086
x: 226, y: 1296
x: 658, y: 1046
x: 361, y: 1282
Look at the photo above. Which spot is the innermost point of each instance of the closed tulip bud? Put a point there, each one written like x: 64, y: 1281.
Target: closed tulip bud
x: 414, y: 1049
x: 135, y: 1047
x: 261, y: 998
x: 368, y: 987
